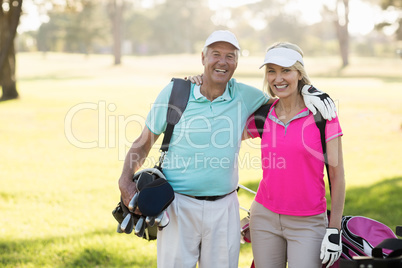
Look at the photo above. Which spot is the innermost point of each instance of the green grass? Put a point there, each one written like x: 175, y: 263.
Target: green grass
x: 56, y: 198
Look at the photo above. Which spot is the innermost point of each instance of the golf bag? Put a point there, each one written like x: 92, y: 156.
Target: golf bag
x: 154, y: 193
x: 360, y: 235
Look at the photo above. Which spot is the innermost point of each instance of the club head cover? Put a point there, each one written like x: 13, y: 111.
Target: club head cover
x: 155, y: 197
x: 144, y: 179
x: 146, y: 176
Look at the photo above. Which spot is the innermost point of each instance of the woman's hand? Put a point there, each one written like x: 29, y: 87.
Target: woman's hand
x: 195, y: 79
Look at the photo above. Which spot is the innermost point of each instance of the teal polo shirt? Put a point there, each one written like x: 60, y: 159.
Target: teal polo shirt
x: 203, y: 155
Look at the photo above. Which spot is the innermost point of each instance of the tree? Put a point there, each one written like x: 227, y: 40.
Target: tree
x: 116, y: 16
x: 178, y: 25
x: 340, y: 15
x: 341, y: 25
x: 10, y: 12
x: 396, y: 5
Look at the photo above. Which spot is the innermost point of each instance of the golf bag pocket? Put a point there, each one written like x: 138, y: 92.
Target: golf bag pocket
x: 360, y: 235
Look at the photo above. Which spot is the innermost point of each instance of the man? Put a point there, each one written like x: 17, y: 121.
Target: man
x: 201, y: 164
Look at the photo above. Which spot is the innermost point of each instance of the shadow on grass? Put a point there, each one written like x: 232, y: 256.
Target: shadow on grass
x: 86, y: 250
x: 381, y: 201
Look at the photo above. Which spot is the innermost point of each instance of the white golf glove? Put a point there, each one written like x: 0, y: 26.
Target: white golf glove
x: 331, y: 246
x: 316, y: 99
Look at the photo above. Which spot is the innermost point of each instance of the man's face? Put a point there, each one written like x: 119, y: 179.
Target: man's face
x: 220, y: 62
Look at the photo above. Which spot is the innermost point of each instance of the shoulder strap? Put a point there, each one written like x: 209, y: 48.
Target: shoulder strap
x: 260, y: 116
x: 393, y: 244
x: 177, y: 104
x: 321, y: 123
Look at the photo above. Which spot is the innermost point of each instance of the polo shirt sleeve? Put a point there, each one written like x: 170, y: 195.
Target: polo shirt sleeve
x: 333, y: 129
x: 156, y: 119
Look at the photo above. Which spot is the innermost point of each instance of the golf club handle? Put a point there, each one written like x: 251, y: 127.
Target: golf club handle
x: 247, y: 189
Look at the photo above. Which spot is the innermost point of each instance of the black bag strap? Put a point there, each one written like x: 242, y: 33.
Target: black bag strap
x: 393, y: 244
x: 321, y: 123
x: 177, y: 104
x: 260, y: 116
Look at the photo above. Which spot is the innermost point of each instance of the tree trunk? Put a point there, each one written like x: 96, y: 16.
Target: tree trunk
x: 8, y: 22
x: 341, y: 24
x: 117, y: 20
x: 8, y: 81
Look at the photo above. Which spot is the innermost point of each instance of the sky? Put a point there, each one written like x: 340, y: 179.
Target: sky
x: 361, y: 20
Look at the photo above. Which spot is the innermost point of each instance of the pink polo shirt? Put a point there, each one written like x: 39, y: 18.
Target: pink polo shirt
x: 293, y: 163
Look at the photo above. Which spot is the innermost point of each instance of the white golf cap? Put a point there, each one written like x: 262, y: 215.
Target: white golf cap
x: 282, y: 56
x: 222, y: 36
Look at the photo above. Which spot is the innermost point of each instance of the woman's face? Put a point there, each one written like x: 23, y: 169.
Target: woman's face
x: 283, y: 81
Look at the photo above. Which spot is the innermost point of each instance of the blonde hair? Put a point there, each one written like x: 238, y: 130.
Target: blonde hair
x: 297, y: 66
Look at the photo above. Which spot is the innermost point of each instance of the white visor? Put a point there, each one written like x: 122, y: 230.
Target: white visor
x: 281, y: 56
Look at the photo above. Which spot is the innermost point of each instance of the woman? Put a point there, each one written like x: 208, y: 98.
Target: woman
x: 288, y: 221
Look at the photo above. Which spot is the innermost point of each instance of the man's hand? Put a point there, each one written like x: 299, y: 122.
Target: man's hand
x: 196, y: 79
x: 316, y: 99
x: 127, y: 189
x: 331, y: 246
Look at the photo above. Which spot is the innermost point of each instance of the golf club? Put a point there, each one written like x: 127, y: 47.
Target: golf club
x: 245, y: 209
x: 140, y: 227
x: 133, y: 202
x: 247, y: 189
x: 125, y: 222
x: 150, y: 221
x: 158, y: 218
x: 119, y: 229
x: 164, y: 221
